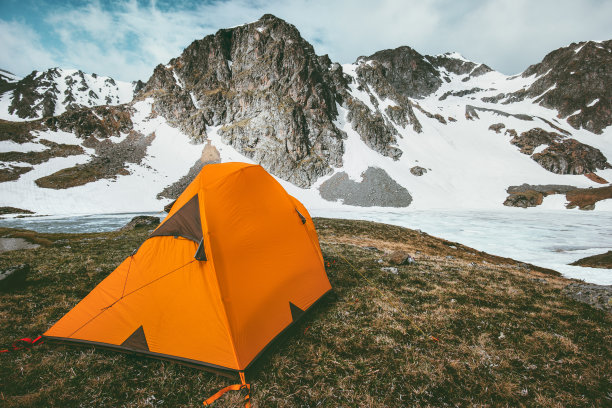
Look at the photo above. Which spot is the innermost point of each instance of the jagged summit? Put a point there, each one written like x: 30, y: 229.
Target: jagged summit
x: 243, y: 79
x: 575, y: 80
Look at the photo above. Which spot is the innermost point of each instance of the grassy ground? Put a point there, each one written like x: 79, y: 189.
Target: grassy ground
x: 507, y: 336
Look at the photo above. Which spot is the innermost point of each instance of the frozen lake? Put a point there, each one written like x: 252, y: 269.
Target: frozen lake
x: 547, y: 238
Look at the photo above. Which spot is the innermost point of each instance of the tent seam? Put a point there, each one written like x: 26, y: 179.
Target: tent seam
x: 211, y: 259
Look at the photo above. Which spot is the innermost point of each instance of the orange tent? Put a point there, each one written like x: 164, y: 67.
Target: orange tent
x: 235, y: 262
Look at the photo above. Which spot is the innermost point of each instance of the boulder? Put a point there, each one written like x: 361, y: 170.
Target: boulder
x: 14, y: 277
x: 497, y: 127
x: 141, y: 221
x: 400, y: 258
x: 418, y: 171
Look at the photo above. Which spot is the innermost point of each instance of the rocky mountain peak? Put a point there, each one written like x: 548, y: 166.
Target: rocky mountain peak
x: 266, y: 92
x: 575, y: 80
x: 409, y: 73
x: 455, y: 63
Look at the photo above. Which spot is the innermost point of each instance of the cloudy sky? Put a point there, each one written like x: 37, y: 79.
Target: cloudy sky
x: 126, y: 39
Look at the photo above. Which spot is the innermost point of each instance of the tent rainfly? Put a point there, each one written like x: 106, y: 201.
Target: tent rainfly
x: 235, y: 263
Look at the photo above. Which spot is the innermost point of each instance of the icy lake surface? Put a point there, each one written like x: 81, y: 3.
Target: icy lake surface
x: 551, y: 239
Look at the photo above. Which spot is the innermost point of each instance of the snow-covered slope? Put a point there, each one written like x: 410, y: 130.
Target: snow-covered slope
x: 444, y: 131
x: 169, y: 156
x: 52, y: 92
x: 469, y: 165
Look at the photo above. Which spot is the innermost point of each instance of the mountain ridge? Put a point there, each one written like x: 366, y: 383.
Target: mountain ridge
x: 260, y: 93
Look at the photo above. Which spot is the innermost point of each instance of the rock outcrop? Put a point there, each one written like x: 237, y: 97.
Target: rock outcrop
x: 596, y: 261
x: 418, y: 170
x: 575, y: 80
x: 376, y: 188
x: 527, y: 195
x: 141, y: 221
x: 561, y: 155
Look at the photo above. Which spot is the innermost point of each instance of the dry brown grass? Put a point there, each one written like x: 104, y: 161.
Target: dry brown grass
x: 508, y: 337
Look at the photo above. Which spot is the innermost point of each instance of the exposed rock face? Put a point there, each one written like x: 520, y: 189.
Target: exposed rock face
x: 210, y: 155
x: 575, y: 80
x: 398, y: 75
x: 377, y: 134
x: 527, y: 195
x: 541, y: 188
x: 7, y: 79
x: 37, y: 157
x: 401, y: 70
x: 11, y: 172
x: 524, y: 199
x: 18, y: 132
x: 594, y: 177
x: 562, y: 155
x: 459, y: 93
x: 375, y: 189
x: 586, y: 198
x: 273, y: 97
x: 100, y: 122
x: 262, y: 89
x: 471, y: 111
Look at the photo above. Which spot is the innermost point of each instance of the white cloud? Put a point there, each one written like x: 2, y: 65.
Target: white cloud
x: 22, y: 51
x: 126, y: 41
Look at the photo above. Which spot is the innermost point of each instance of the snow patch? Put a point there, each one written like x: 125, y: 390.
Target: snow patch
x: 357, y: 155
x: 454, y: 55
x: 540, y: 149
x: 169, y: 157
x: 593, y: 103
x: 10, y: 146
x: 194, y: 100
x: 577, y: 50
x: 177, y: 80
x: 5, y: 101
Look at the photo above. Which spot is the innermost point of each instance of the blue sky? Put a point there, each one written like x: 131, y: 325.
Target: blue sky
x: 126, y: 39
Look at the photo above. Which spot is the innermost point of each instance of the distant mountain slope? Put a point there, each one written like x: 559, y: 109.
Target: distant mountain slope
x: 395, y: 128
x: 54, y: 91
